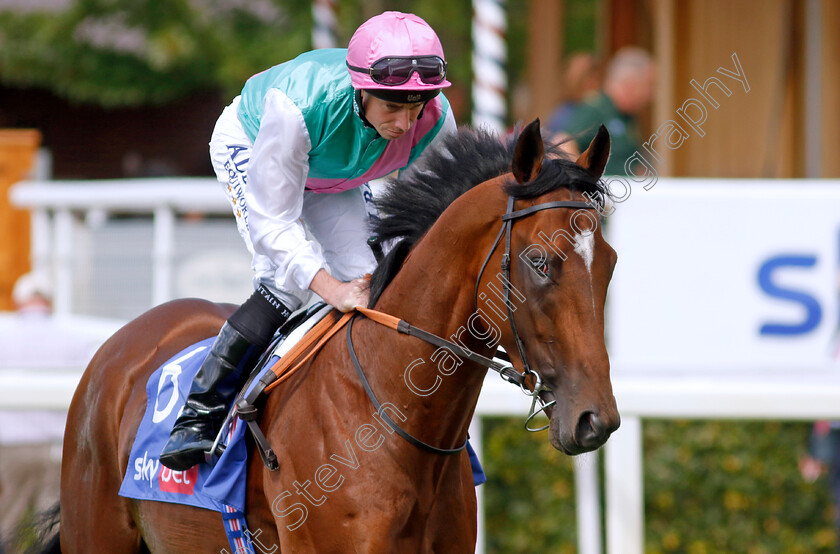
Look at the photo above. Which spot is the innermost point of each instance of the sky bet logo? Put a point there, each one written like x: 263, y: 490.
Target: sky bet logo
x: 774, y: 270
x: 181, y: 482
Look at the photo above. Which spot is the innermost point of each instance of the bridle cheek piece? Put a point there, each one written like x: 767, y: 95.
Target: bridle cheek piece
x: 507, y: 225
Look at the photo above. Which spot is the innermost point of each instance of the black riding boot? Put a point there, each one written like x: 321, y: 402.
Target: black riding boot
x: 217, y: 381
x: 221, y: 375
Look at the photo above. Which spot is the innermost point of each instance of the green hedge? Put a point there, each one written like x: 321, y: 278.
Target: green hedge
x: 710, y: 487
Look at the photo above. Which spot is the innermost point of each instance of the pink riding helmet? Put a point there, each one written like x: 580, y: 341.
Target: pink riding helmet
x: 392, y: 34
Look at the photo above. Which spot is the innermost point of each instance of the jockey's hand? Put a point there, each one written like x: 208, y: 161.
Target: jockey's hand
x: 343, y: 296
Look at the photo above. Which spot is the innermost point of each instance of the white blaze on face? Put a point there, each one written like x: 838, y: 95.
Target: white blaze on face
x: 585, y: 248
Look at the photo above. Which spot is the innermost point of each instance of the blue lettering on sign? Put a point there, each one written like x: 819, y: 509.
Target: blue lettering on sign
x: 813, y: 311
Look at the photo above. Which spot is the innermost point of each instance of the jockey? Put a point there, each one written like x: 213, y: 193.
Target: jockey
x: 294, y: 152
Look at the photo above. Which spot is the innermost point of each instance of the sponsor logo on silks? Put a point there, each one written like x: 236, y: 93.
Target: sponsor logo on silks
x: 236, y: 168
x: 181, y: 482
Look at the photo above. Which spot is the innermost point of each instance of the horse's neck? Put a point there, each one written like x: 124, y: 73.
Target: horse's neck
x: 434, y: 292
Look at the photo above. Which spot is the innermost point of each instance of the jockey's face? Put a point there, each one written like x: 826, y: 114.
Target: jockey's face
x: 390, y: 119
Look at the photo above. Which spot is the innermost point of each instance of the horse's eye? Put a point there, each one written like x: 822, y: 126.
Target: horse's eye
x: 540, y: 266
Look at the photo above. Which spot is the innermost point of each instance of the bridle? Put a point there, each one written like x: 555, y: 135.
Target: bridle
x: 506, y: 230
x: 507, y: 372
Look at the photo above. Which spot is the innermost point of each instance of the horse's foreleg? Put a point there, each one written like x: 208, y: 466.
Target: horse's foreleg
x: 454, y: 524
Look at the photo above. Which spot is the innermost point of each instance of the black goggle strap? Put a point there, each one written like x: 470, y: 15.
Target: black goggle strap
x: 361, y: 109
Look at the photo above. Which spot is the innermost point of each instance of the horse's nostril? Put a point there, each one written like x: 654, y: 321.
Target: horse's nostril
x: 589, y: 430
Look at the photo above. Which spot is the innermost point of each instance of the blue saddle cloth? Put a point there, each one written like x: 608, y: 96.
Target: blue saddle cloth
x: 204, y: 486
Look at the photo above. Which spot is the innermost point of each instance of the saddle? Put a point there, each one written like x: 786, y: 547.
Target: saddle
x: 289, y: 343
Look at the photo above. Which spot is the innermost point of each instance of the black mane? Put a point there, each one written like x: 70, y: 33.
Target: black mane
x: 415, y: 200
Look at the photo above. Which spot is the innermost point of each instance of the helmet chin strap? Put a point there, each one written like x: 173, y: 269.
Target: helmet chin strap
x: 360, y: 109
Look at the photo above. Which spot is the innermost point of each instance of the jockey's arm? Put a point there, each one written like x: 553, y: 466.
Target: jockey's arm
x: 277, y: 177
x: 277, y: 173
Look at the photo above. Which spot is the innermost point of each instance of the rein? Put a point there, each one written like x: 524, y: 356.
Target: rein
x: 507, y: 372
x: 330, y: 325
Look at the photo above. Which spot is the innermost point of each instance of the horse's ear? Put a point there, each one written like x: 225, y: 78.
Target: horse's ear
x: 528, y: 154
x: 595, y: 157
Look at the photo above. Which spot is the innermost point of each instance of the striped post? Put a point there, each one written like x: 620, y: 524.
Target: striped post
x: 488, y: 63
x: 324, y: 24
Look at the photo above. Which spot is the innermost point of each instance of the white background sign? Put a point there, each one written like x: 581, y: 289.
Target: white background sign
x: 726, y: 275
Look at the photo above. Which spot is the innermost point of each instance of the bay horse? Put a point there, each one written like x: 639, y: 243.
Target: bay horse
x: 493, y: 244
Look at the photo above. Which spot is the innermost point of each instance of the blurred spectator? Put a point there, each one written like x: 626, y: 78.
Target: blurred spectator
x: 135, y: 165
x: 520, y: 105
x: 824, y: 458
x: 565, y: 142
x: 32, y: 294
x: 33, y: 340
x: 628, y: 89
x: 581, y: 79
x: 31, y: 337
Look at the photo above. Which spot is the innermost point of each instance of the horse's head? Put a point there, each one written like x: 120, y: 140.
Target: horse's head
x: 560, y: 266
x: 550, y: 299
